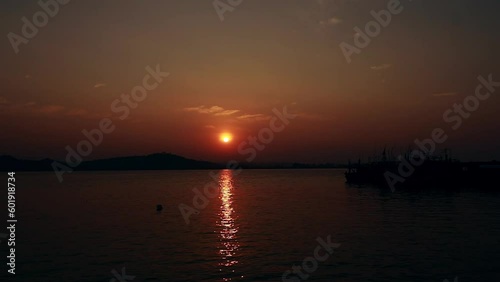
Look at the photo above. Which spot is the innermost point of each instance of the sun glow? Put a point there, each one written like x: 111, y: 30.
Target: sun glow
x: 226, y: 137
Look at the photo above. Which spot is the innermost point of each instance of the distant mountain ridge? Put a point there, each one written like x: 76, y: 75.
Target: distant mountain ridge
x: 159, y: 161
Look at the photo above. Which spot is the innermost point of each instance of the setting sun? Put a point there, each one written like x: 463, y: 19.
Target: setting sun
x: 226, y: 137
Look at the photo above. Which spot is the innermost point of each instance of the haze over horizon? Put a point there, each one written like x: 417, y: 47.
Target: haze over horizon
x: 228, y: 76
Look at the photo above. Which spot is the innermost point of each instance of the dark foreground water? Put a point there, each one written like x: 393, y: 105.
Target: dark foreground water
x: 258, y: 226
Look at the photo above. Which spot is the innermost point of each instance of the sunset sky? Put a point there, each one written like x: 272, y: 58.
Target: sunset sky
x: 228, y: 76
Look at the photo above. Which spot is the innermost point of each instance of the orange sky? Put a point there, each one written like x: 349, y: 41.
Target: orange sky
x: 227, y: 76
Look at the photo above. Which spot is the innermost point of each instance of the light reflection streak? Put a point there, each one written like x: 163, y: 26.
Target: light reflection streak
x: 228, y: 229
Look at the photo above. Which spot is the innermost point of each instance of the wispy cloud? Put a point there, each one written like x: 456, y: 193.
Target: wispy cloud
x: 215, y: 110
x: 204, y: 110
x: 444, y: 94
x: 256, y: 117
x: 99, y: 85
x: 33, y: 108
x: 330, y: 21
x: 50, y: 109
x: 381, y: 67
x: 227, y: 112
x: 320, y: 2
x: 77, y: 112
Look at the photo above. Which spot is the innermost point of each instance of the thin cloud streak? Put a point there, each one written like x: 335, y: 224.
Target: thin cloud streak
x: 215, y: 110
x: 99, y: 85
x: 445, y: 94
x: 381, y: 67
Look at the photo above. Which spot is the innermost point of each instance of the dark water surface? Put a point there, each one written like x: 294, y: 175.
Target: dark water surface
x: 259, y: 224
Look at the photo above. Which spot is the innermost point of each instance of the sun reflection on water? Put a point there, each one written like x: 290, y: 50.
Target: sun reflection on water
x: 228, y: 229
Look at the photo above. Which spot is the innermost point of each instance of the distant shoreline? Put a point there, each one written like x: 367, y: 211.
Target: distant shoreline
x: 160, y: 161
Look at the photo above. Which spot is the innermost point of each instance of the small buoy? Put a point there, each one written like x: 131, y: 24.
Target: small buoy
x: 159, y: 207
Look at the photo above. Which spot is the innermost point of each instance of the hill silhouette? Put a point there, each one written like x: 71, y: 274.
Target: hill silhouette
x: 160, y: 161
